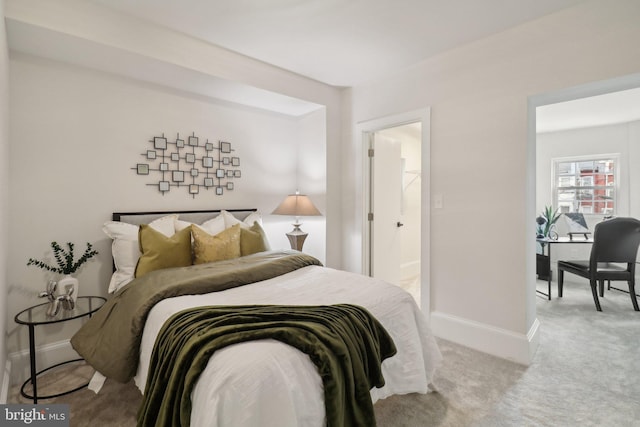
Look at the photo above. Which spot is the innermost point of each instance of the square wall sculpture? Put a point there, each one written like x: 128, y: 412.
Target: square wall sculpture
x: 190, y: 163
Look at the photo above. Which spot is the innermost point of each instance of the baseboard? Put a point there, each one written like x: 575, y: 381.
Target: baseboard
x: 410, y: 269
x: 502, y: 343
x: 46, y: 355
x: 4, y: 392
x: 533, y: 337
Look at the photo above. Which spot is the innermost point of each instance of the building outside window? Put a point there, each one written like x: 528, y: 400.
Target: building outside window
x: 586, y: 185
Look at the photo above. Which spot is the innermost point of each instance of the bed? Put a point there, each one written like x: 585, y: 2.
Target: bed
x: 266, y: 382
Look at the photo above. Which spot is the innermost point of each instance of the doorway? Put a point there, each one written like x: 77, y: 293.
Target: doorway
x: 586, y: 150
x: 534, y: 201
x: 396, y: 201
x: 395, y: 171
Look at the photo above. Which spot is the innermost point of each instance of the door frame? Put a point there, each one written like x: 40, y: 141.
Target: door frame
x: 364, y: 131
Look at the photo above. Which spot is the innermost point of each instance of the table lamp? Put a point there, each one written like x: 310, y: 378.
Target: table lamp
x: 297, y: 205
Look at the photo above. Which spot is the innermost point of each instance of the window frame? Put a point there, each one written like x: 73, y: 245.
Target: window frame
x: 555, y: 175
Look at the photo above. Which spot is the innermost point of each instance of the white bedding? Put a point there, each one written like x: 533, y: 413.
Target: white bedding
x: 267, y: 383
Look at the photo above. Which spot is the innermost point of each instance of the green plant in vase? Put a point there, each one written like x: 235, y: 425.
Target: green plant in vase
x: 66, y: 264
x: 546, y: 221
x: 545, y: 230
x: 65, y: 259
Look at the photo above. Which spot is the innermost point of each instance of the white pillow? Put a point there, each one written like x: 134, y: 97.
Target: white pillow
x: 126, y: 249
x: 231, y: 220
x: 212, y: 226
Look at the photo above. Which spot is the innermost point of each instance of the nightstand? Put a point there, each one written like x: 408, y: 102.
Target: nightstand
x: 37, y: 315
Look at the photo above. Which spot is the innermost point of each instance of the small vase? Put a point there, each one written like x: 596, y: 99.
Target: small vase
x: 68, y: 285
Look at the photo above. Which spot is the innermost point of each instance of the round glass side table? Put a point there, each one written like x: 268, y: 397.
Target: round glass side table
x: 37, y: 315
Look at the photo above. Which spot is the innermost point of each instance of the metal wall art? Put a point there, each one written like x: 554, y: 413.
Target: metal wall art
x: 190, y: 163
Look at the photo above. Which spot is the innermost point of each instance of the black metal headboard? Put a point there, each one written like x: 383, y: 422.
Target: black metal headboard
x: 196, y: 216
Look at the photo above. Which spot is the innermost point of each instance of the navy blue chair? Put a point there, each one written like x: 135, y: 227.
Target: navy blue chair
x: 613, y: 257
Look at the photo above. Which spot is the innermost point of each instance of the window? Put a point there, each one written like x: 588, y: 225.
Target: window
x: 585, y: 185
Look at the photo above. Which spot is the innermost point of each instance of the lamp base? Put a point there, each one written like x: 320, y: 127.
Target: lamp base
x: 297, y: 237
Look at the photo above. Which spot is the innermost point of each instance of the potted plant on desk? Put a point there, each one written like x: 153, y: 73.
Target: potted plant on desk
x: 545, y: 230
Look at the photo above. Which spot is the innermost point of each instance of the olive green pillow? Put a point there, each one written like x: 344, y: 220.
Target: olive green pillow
x: 159, y: 251
x: 253, y: 240
x: 208, y: 248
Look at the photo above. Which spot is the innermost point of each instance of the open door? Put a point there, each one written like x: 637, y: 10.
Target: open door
x: 395, y: 215
x: 385, y: 211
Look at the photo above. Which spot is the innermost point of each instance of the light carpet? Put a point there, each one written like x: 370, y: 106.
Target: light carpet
x: 586, y: 372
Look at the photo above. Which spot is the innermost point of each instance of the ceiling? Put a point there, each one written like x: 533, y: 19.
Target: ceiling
x: 339, y: 42
x: 610, y: 108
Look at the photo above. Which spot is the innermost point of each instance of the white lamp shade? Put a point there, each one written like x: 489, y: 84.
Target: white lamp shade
x: 297, y: 205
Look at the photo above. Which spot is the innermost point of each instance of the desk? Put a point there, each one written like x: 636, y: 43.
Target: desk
x: 548, y: 243
x: 36, y: 315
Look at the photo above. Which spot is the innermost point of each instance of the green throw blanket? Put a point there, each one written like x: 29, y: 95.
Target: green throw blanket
x: 110, y: 340
x: 346, y: 343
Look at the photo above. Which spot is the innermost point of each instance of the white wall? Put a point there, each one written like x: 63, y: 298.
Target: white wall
x: 310, y: 156
x: 312, y: 177
x: 4, y: 191
x: 482, y: 280
x: 76, y: 134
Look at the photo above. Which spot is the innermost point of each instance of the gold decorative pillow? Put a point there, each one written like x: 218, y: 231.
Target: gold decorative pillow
x: 253, y: 240
x: 208, y: 248
x: 159, y: 251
